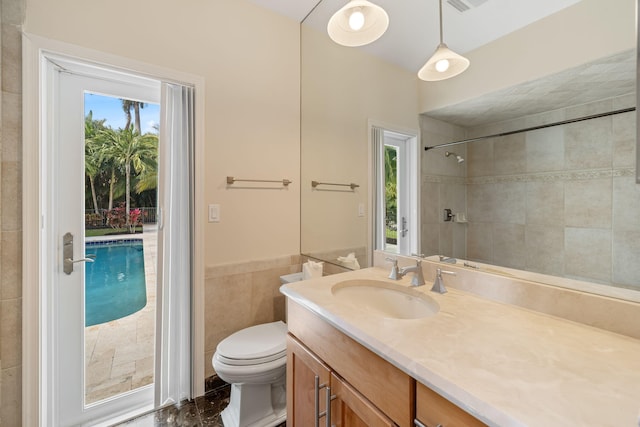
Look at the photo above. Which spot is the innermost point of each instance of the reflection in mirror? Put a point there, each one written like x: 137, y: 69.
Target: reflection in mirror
x: 560, y: 201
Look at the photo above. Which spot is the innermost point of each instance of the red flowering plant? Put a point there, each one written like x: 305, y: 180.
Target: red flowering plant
x: 117, y: 218
x: 135, y: 218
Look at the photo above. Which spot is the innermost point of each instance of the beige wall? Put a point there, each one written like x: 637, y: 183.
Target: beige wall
x: 10, y: 216
x: 581, y: 33
x: 249, y: 58
x: 342, y: 89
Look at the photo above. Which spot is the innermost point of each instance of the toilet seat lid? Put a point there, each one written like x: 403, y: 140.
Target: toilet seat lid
x: 254, y: 345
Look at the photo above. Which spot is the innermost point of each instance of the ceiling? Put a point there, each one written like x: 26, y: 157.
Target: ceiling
x: 413, y: 35
x: 413, y: 32
x: 605, y: 78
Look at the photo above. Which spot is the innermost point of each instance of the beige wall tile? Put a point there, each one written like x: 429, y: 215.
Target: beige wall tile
x: 509, y: 202
x: 446, y: 239
x: 452, y: 196
x: 587, y: 253
x: 13, y: 11
x: 626, y: 253
x: 11, y: 197
x: 626, y: 204
x: 509, y: 245
x: 481, y: 202
x: 545, y: 202
x: 11, y: 405
x: 430, y: 202
x: 588, y: 144
x: 480, y: 158
x: 624, y: 140
x: 588, y: 203
x: 480, y: 241
x: 545, y: 150
x: 11, y: 59
x: 238, y: 296
x: 430, y: 238
x: 228, y: 302
x: 545, y: 249
x: 509, y: 154
x: 11, y: 127
x: 267, y: 303
x: 10, y: 331
x: 11, y: 265
x: 460, y: 240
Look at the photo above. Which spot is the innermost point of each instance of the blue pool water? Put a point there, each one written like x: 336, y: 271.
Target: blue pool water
x: 115, y: 282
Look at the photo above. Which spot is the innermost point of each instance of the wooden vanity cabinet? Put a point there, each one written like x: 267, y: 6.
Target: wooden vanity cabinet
x: 369, y: 391
x: 310, y: 383
x: 433, y: 410
x: 365, y: 390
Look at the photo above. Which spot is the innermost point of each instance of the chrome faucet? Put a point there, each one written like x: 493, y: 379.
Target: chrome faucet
x: 398, y: 273
x: 393, y: 275
x: 449, y: 260
x: 438, y: 284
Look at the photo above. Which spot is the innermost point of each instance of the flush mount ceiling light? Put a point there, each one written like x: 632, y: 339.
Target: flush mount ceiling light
x: 358, y: 23
x: 444, y: 63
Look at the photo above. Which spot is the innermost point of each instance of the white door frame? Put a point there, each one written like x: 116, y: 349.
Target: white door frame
x: 413, y: 148
x: 36, y: 405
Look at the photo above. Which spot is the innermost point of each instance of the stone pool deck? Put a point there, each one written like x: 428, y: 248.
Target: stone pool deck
x: 119, y: 355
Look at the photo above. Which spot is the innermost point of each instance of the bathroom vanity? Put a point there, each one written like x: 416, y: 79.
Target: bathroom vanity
x: 454, y: 359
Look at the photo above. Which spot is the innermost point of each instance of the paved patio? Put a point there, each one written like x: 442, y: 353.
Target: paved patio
x: 119, y: 355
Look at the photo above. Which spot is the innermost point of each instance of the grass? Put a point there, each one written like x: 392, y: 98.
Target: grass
x: 391, y: 234
x: 109, y: 231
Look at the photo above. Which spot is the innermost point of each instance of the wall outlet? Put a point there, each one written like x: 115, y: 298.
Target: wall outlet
x: 214, y: 213
x: 361, y: 209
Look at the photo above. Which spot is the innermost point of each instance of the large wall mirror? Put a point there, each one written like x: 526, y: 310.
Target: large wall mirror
x: 559, y: 199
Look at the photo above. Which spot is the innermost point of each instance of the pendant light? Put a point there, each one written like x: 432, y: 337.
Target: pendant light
x: 444, y: 63
x: 358, y: 23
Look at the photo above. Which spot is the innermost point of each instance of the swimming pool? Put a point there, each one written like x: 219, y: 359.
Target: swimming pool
x: 115, y: 283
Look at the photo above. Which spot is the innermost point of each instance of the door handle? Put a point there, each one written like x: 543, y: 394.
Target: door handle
x: 403, y: 231
x: 67, y: 254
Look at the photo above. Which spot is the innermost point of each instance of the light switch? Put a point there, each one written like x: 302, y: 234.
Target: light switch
x: 214, y: 213
x: 361, y: 209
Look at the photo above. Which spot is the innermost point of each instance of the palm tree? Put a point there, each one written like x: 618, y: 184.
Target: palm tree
x: 127, y: 105
x: 92, y: 153
x: 128, y: 148
x: 390, y: 179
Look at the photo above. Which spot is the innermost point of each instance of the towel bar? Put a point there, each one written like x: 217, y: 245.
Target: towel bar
x: 353, y: 186
x: 231, y: 180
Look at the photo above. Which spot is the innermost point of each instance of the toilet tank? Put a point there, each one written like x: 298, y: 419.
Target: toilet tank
x: 291, y: 278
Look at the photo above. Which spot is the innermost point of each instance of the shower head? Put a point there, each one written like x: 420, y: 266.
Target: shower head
x: 459, y: 158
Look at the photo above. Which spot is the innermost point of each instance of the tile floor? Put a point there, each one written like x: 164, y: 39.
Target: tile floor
x: 201, y: 411
x: 119, y: 354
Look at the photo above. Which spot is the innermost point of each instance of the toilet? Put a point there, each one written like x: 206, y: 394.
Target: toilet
x: 253, y: 360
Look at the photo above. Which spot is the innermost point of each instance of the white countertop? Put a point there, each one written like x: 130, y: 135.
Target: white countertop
x: 506, y: 365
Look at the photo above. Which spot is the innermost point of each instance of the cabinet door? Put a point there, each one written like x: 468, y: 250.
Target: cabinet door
x: 350, y: 409
x: 434, y: 410
x: 307, y: 379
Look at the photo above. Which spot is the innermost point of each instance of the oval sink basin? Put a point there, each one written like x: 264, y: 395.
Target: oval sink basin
x: 386, y: 299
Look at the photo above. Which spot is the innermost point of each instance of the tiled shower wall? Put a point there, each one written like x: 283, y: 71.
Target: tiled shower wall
x: 242, y: 295
x: 11, y: 13
x: 443, y: 187
x: 560, y: 200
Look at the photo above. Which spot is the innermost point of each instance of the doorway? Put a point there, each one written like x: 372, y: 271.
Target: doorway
x: 396, y: 219
x: 57, y: 345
